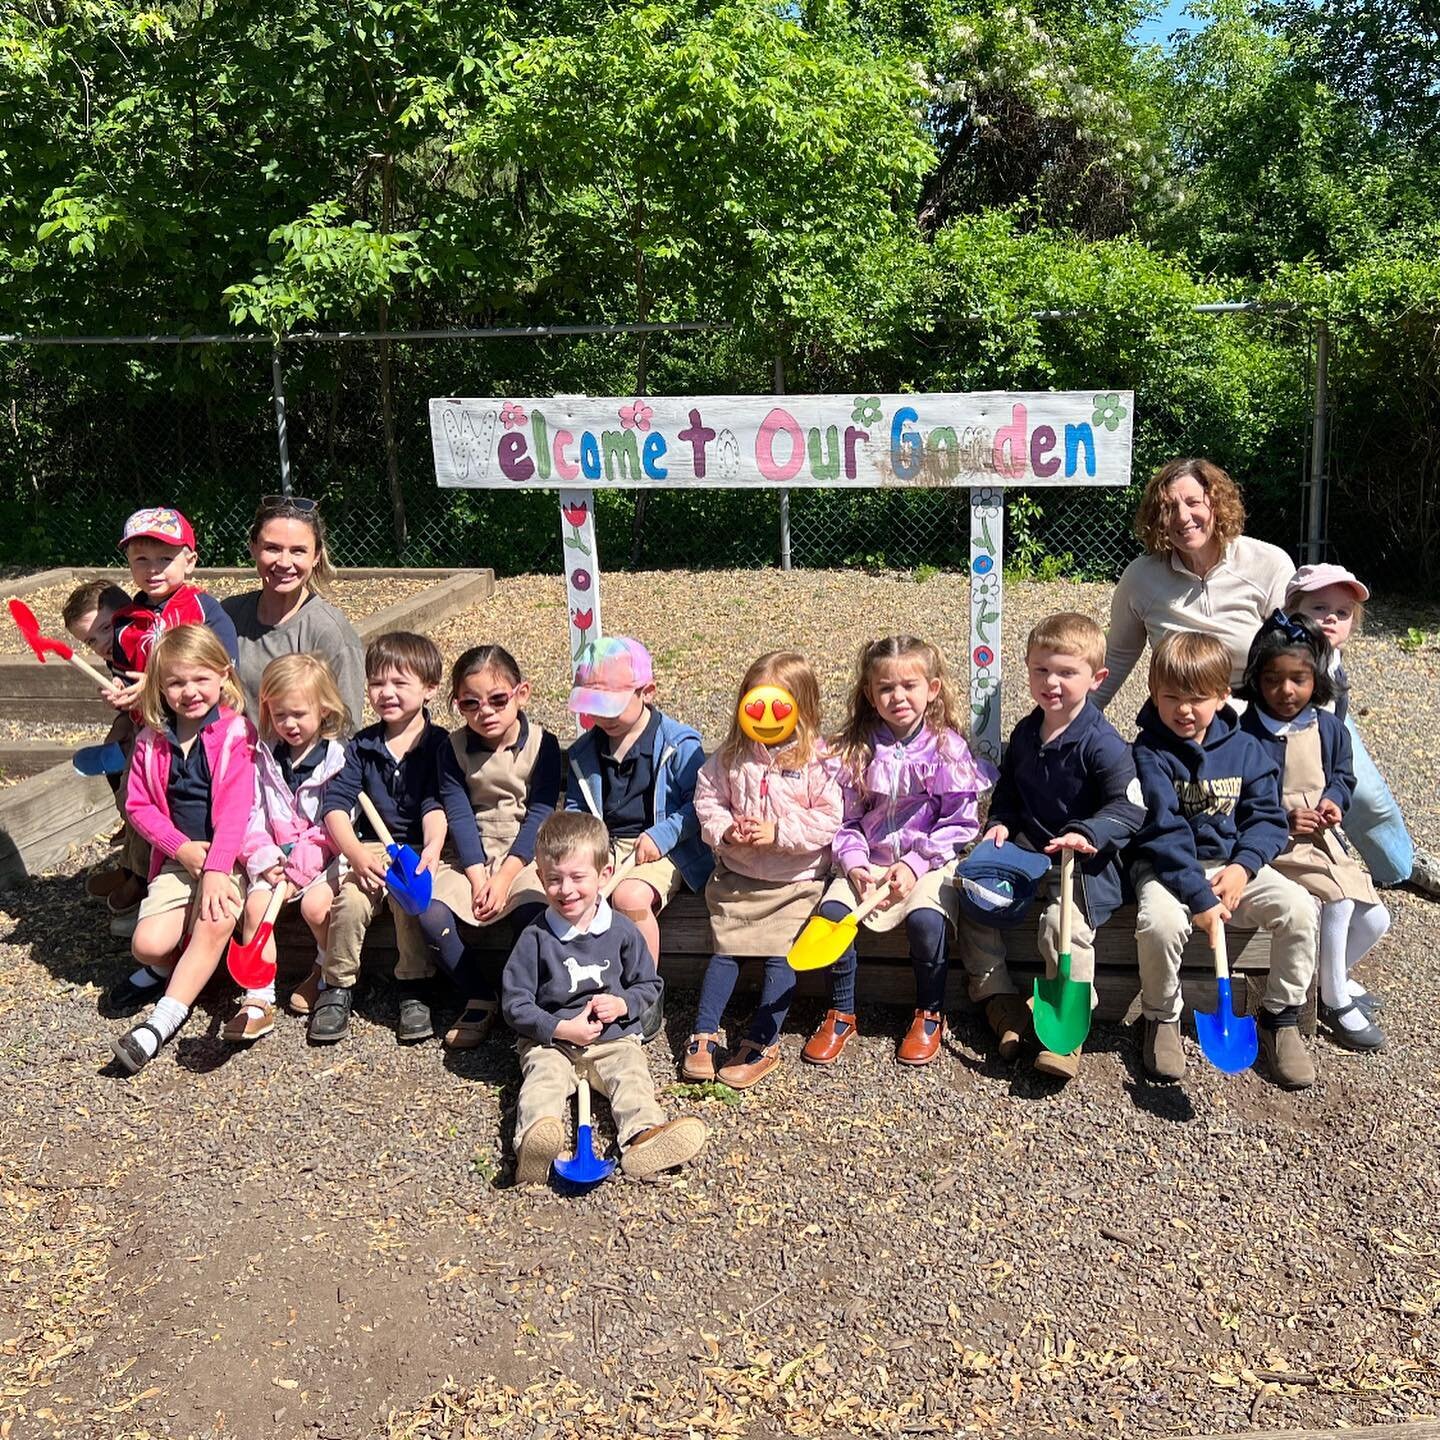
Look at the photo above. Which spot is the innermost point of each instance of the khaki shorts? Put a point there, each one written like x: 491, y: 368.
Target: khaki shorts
x: 660, y: 875
x: 174, y: 889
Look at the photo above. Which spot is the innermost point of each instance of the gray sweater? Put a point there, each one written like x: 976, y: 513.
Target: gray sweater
x: 319, y: 629
x: 554, y: 971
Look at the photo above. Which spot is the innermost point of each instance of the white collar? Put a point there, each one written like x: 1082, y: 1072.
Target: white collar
x: 1303, y: 721
x: 562, y: 929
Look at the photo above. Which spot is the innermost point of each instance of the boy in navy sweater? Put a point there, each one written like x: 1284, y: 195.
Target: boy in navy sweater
x: 396, y: 762
x: 575, y: 987
x: 1067, y: 782
x: 1213, y: 824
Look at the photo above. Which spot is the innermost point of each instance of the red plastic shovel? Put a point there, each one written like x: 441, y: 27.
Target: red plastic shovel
x: 29, y: 627
x: 246, y: 963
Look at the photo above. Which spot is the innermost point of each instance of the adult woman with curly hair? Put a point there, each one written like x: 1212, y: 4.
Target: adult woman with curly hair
x: 1202, y: 573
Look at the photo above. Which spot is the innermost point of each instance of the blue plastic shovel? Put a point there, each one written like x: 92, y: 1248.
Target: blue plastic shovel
x: 1230, y: 1041
x: 585, y: 1167
x: 410, y: 887
x: 99, y: 759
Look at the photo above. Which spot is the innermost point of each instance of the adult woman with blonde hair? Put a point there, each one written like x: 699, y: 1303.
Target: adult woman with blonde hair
x: 1202, y: 573
x: 288, y: 614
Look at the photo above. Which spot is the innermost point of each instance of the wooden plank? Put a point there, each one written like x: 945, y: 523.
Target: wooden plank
x: 432, y: 606
x: 30, y: 757
x: 25, y: 678
x: 41, y: 818
x: 1405, y: 1430
x: 43, y: 580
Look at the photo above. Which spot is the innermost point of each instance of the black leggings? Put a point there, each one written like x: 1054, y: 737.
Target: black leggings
x: 474, y: 972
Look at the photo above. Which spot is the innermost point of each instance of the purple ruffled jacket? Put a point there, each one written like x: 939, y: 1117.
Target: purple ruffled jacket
x: 918, y: 801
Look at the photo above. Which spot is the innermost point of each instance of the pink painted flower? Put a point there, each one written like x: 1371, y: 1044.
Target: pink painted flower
x: 636, y: 416
x: 512, y: 415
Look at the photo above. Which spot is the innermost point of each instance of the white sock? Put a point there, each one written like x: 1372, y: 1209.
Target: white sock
x: 144, y: 978
x: 1366, y: 931
x: 1355, y: 989
x: 321, y: 956
x: 1335, y: 917
x: 258, y: 997
x: 167, y: 1017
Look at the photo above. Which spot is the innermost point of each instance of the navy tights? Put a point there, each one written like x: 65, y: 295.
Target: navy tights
x: 777, y: 990
x: 925, y: 929
x: 475, y: 972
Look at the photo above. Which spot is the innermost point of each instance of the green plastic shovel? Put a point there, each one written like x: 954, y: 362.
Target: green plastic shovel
x: 1062, y: 1005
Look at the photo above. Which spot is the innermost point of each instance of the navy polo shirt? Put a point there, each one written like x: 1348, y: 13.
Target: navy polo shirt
x: 627, y: 787
x: 296, y: 772
x: 187, y: 791
x: 403, y: 791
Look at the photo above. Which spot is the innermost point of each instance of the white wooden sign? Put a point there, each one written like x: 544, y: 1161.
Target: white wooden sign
x: 1030, y: 438
x: 577, y: 444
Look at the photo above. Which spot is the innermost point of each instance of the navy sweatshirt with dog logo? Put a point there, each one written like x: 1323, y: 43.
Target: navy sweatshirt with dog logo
x: 1216, y: 803
x: 554, y: 972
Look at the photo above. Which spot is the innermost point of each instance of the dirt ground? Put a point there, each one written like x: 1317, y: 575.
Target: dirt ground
x: 326, y: 1243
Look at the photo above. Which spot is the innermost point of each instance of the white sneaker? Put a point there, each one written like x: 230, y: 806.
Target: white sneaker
x: 1425, y: 874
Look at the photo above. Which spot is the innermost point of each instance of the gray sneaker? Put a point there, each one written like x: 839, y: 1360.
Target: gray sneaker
x: 1163, y: 1053
x: 1425, y: 874
x: 1368, y: 1036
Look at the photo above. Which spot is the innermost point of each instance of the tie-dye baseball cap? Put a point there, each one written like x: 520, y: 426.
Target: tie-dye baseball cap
x: 610, y: 670
x: 159, y: 522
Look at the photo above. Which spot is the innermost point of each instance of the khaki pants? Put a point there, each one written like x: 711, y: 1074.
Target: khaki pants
x: 982, y: 949
x: 1270, y: 902
x: 351, y: 916
x: 616, y: 1068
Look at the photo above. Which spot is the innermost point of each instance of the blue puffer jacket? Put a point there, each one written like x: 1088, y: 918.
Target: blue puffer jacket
x: 678, y: 756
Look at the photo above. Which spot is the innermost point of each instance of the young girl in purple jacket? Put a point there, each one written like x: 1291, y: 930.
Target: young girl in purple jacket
x: 912, y: 792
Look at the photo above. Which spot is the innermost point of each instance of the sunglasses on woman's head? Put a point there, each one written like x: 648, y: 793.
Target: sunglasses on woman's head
x: 302, y: 503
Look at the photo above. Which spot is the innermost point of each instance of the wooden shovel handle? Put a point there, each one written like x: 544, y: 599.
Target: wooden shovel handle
x: 105, y: 682
x: 621, y: 871
x: 1222, y: 959
x: 582, y: 1101
x: 882, y: 892
x: 1067, y: 898
x: 376, y: 823
x: 278, y: 897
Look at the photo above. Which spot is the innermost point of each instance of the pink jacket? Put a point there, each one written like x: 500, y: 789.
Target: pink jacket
x: 230, y: 751
x: 286, y: 829
x: 805, y: 804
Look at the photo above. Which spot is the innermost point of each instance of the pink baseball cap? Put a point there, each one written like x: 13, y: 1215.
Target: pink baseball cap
x: 609, y: 672
x: 1320, y: 577
x: 161, y: 523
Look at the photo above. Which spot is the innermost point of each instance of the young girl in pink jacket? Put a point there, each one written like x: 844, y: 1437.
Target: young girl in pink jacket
x: 769, y: 808
x: 301, y: 716
x: 192, y: 779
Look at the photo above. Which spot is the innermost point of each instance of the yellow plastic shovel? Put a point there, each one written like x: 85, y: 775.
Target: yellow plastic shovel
x: 822, y: 942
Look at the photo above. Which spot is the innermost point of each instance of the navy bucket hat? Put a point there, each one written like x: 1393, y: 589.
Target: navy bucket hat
x: 997, y: 883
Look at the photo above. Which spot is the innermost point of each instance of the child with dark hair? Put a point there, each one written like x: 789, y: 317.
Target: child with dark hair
x: 499, y: 779
x: 396, y: 763
x: 1289, y: 677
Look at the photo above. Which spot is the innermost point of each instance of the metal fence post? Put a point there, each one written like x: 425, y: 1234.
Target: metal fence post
x: 278, y: 381
x: 1315, y: 538
x: 778, y: 388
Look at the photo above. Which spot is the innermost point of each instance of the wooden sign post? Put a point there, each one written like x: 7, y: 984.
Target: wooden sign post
x: 982, y: 442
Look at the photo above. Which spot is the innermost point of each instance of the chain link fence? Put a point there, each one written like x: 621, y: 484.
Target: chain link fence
x: 91, y: 433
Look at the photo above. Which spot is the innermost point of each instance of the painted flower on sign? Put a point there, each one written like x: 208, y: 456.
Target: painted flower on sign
x: 636, y: 416
x: 575, y: 514
x: 580, y: 579
x: 1109, y: 412
x: 512, y: 415
x: 867, y: 410
x: 582, y: 619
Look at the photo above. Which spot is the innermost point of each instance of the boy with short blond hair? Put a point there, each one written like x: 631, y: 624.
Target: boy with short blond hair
x: 395, y: 762
x: 1213, y: 824
x: 1067, y: 782
x: 575, y: 987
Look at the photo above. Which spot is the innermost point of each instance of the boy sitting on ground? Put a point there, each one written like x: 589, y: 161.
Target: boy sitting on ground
x: 574, y: 990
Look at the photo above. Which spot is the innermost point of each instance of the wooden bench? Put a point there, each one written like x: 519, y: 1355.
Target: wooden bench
x: 885, y: 977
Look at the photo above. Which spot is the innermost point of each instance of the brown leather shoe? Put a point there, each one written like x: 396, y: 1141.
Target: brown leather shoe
x: 1009, y: 1018
x: 919, y: 1047
x: 750, y: 1063
x: 304, y: 995
x: 663, y: 1147
x: 834, y: 1033
x: 698, y: 1061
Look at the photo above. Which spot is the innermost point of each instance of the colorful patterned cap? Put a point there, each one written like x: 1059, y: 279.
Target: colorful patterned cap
x: 609, y: 672
x: 1320, y: 577
x: 161, y: 523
